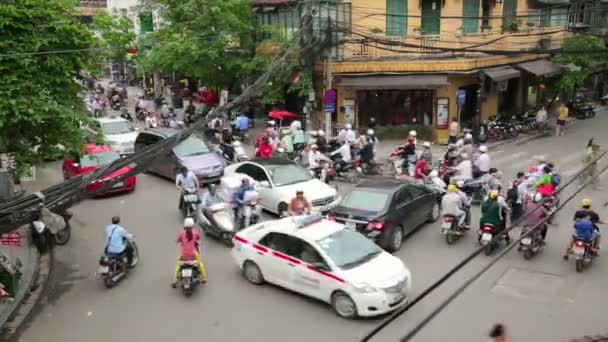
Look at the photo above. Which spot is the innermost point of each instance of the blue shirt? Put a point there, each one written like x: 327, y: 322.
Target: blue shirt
x: 116, y: 237
x: 240, y: 193
x: 584, y: 229
x: 242, y: 122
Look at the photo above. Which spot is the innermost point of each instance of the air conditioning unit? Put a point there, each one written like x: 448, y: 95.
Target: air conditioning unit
x: 502, y: 85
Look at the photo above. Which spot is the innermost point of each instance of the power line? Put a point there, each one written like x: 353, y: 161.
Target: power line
x: 463, y: 263
x: 470, y: 281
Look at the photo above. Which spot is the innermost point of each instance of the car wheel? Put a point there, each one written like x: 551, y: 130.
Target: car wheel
x: 434, y: 214
x: 394, y: 239
x: 343, y: 305
x: 252, y: 273
x: 283, y: 210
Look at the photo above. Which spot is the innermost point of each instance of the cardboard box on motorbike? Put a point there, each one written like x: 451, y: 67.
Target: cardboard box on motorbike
x: 230, y: 184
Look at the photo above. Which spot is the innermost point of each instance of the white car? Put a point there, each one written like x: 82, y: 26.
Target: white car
x: 119, y: 133
x: 320, y: 258
x: 278, y: 180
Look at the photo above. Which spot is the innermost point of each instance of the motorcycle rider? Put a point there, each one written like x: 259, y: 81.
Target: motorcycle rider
x: 464, y: 169
x: 298, y: 137
x: 451, y: 155
x: 299, y: 205
x: 212, y: 197
x: 421, y: 168
x: 466, y: 200
x: 347, y: 134
x: 188, y: 240
x: 545, y: 184
x: 426, y: 153
x: 186, y: 179
x: 314, y: 160
x: 408, y: 154
x: 345, y: 155
x: 117, y: 239
x: 412, y: 135
x: 265, y: 149
x: 483, y: 161
x: 535, y: 215
x: 322, y: 141
x: 452, y: 204
x: 491, y: 213
x: 585, y: 230
x: 241, y: 123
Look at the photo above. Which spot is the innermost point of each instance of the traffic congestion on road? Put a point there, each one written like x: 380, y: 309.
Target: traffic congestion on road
x: 319, y: 246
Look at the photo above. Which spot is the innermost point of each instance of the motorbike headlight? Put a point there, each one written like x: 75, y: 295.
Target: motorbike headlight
x: 364, y: 288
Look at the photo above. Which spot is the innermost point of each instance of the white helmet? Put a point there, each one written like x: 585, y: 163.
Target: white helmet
x: 271, y: 123
x: 426, y: 144
x: 348, y: 126
x: 434, y: 173
x: 460, y: 183
x: 538, y: 197
x: 189, y: 222
x: 236, y: 143
x: 321, y: 133
x: 314, y: 146
x: 464, y: 156
x: 483, y: 149
x: 413, y: 133
x: 468, y: 136
x: 370, y: 132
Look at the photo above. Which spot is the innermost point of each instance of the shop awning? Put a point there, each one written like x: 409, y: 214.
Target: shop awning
x: 501, y: 74
x: 541, y: 67
x: 554, y: 2
x: 395, y: 82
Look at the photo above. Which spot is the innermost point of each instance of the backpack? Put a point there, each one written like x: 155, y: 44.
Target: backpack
x: 556, y: 179
x: 512, y: 194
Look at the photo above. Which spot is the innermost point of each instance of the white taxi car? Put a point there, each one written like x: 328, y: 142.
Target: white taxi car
x: 322, y: 259
x: 119, y: 133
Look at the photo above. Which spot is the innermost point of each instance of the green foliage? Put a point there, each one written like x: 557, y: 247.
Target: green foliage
x: 39, y: 103
x: 579, y: 65
x: 116, y: 32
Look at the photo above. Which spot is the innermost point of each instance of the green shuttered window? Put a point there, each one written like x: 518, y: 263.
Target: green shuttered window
x: 396, y: 17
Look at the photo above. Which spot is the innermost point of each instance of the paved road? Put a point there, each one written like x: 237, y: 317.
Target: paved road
x: 541, y: 300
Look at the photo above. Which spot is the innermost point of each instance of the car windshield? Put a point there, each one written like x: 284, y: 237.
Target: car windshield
x: 364, y: 199
x: 192, y: 146
x: 99, y: 158
x: 288, y: 174
x: 117, y: 127
x: 348, y: 248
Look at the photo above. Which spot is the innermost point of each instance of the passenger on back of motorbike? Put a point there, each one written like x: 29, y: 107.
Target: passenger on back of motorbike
x: 545, y: 185
x: 534, y: 214
x: 188, y: 240
x: 453, y: 204
x: 426, y: 153
x: 592, y: 216
x: 117, y: 241
x: 183, y: 181
x: 299, y: 205
x: 315, y: 157
x: 345, y: 156
x: 584, y: 230
x: 239, y: 195
x: 466, y: 200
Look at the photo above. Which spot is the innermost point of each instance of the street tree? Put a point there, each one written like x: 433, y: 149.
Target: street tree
x: 42, y: 53
x: 578, y: 65
x: 117, y: 33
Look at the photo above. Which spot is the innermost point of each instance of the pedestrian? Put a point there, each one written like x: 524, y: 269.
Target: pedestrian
x: 541, y: 119
x: 499, y: 333
x: 562, y: 115
x: 515, y: 196
x: 454, y: 131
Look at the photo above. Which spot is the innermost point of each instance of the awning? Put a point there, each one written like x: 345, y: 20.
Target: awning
x: 501, y: 74
x: 541, y: 67
x: 554, y: 2
x: 395, y: 82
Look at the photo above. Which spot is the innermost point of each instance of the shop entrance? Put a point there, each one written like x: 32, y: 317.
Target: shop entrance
x: 468, y: 110
x: 507, y: 99
x: 396, y: 107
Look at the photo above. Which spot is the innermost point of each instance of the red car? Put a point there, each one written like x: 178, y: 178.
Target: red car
x: 93, y: 158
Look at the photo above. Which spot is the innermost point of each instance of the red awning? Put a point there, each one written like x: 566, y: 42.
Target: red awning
x: 281, y: 114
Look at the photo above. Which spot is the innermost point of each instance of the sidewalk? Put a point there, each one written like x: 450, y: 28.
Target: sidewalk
x: 35, y: 267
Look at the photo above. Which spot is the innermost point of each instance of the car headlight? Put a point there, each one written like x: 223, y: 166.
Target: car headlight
x: 364, y: 287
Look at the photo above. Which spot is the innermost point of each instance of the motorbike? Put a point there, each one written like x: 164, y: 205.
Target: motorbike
x: 488, y: 232
x: 113, y: 268
x: 191, y: 201
x: 141, y: 114
x: 241, y: 155
x: 435, y: 182
x: 395, y: 161
x: 51, y: 229
x: 583, y: 112
x: 189, y: 276
x: 324, y: 172
x: 226, y: 151
x: 451, y: 230
x: 218, y: 221
x: 367, y: 169
x: 343, y: 171
x: 531, y: 244
x: 550, y: 203
x: 583, y: 254
x: 249, y: 213
x: 475, y: 189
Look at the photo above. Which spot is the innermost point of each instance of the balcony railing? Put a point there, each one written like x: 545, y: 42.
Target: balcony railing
x: 92, y: 3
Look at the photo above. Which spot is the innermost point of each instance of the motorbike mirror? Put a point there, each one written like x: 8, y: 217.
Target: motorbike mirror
x: 265, y: 184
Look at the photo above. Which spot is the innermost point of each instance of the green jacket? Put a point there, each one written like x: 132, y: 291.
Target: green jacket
x: 490, y: 213
x: 544, y: 179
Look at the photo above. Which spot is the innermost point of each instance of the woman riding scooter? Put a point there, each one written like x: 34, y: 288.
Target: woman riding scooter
x: 188, y: 240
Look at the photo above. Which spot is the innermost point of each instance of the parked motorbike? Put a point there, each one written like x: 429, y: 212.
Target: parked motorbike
x: 218, y: 221
x: 113, y: 268
x: 51, y: 229
x: 583, y: 254
x: 191, y: 201
x: 451, y: 230
x: 488, y: 232
x: 583, y: 112
x: 249, y: 213
x: 189, y: 276
x: 531, y: 244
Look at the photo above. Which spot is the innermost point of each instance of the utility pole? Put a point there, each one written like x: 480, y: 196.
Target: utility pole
x: 307, y: 61
x: 480, y: 97
x: 328, y: 84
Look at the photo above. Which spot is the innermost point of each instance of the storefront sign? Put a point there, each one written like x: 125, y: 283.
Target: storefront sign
x: 349, y: 111
x: 11, y: 239
x: 461, y: 97
x: 443, y: 114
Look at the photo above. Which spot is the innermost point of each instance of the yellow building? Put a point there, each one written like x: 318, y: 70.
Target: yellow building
x: 406, y: 61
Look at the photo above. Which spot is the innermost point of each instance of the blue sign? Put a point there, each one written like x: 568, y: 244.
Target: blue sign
x: 330, y: 96
x: 329, y: 107
x: 461, y: 97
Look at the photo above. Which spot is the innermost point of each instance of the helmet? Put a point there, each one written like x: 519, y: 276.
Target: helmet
x: 236, y: 143
x: 299, y: 191
x: 586, y: 202
x: 314, y: 134
x: 314, y: 146
x: 538, y: 197
x: 460, y: 183
x: 464, y: 156
x: 188, y: 222
x: 483, y: 149
x: 370, y: 132
x: 115, y: 219
x: 468, y: 136
x: 412, y: 133
x: 452, y: 188
x: 348, y: 126
x: 493, y: 194
x: 321, y: 133
x: 426, y: 144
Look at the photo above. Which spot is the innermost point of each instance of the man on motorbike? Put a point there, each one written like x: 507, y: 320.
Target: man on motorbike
x: 241, y: 123
x: 298, y: 138
x: 412, y: 135
x: 322, y: 141
x: 299, y: 205
x: 545, y: 185
x: 265, y: 149
x: 117, y: 239
x: 367, y: 153
x: 212, y: 197
x: 408, y: 154
x: 188, y: 240
x: 584, y: 230
x: 535, y: 215
x: 464, y: 169
x: 452, y: 204
x: 345, y: 155
x: 287, y: 143
x: 467, y: 146
x: 491, y: 213
x: 483, y: 162
x: 466, y: 200
x: 185, y: 180
x: 421, y: 168
x: 426, y: 153
x: 315, y: 157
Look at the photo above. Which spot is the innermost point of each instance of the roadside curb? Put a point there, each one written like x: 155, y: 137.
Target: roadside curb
x: 25, y: 301
x: 521, y: 141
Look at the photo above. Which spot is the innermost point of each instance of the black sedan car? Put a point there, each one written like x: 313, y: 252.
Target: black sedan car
x: 386, y: 210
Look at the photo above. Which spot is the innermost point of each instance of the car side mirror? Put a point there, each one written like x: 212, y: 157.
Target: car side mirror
x: 321, y: 266
x: 265, y: 184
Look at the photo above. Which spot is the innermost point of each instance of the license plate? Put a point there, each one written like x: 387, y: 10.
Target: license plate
x: 526, y: 241
x: 578, y: 251
x: 486, y: 237
x: 119, y: 185
x: 446, y: 225
x: 103, y: 269
x: 350, y: 225
x: 187, y: 272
